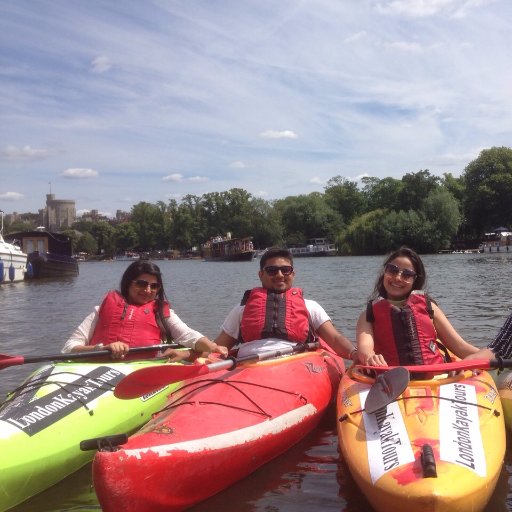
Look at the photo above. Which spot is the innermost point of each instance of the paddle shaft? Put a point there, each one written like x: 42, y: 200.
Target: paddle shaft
x: 469, y: 364
x: 232, y: 362
x: 6, y: 360
x: 147, y: 380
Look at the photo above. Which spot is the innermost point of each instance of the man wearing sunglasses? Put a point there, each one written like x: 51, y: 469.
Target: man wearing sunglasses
x: 275, y: 315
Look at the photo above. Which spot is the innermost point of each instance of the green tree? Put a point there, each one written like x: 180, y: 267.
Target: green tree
x: 307, y: 216
x: 442, y: 213
x: 125, y: 237
x: 488, y: 183
x: 416, y: 187
x: 382, y: 193
x: 148, y: 222
x: 345, y: 198
x: 103, y: 233
x: 86, y: 243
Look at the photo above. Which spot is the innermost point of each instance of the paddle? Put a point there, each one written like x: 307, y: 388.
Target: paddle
x: 141, y: 382
x: 388, y: 386
x: 6, y: 360
x: 469, y: 364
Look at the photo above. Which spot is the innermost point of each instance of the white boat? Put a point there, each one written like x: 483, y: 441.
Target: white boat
x: 499, y: 240
x: 314, y: 247
x: 13, y: 261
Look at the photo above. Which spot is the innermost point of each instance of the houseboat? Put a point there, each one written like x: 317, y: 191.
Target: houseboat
x: 314, y: 247
x: 228, y: 249
x: 48, y: 254
x: 499, y: 240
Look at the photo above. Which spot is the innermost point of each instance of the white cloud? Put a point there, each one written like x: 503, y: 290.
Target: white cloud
x: 198, y: 179
x: 23, y: 153
x: 79, y: 173
x: 11, y: 196
x: 176, y: 177
x: 237, y: 165
x: 274, y: 134
x: 317, y: 180
x: 101, y: 64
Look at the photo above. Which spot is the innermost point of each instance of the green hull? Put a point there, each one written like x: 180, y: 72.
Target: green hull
x: 58, y: 406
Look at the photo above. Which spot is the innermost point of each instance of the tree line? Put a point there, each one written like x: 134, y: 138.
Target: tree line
x: 427, y: 212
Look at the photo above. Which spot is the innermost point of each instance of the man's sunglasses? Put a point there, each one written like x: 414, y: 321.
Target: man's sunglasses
x: 141, y: 283
x: 272, y: 270
x: 404, y: 273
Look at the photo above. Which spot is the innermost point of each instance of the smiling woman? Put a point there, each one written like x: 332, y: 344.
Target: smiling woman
x: 402, y: 325
x: 138, y: 315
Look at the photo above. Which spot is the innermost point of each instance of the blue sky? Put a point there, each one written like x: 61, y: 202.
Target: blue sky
x: 119, y: 102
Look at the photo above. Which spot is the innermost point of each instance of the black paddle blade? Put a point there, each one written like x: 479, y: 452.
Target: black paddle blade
x: 388, y: 386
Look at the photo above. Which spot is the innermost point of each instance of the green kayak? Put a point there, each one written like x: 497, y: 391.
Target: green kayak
x: 44, y: 420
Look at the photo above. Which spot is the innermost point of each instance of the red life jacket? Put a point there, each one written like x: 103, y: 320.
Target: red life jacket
x: 405, y: 335
x: 269, y: 314
x: 134, y: 325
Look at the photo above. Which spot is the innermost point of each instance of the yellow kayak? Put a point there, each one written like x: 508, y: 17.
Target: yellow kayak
x: 439, y: 446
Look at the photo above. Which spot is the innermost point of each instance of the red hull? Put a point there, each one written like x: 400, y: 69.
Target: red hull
x: 216, y: 431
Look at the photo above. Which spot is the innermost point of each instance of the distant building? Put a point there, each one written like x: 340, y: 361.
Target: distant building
x: 58, y: 215
x: 123, y: 216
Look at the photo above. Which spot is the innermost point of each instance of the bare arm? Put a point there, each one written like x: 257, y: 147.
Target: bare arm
x: 225, y: 340
x: 337, y: 341
x: 449, y: 337
x: 366, y: 343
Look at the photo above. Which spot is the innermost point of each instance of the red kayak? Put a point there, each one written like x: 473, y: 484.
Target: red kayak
x: 215, y: 430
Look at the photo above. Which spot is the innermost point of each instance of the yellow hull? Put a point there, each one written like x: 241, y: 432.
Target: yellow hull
x: 439, y: 447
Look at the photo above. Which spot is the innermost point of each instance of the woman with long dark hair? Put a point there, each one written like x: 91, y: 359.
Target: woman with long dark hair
x: 402, y: 325
x: 137, y: 315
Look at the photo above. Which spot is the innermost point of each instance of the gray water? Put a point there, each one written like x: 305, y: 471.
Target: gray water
x: 474, y: 291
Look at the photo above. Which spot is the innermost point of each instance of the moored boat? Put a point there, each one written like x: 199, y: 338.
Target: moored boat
x: 438, y: 447
x: 215, y: 430
x: 228, y: 249
x: 499, y: 240
x: 44, y: 420
x: 314, y: 247
x: 48, y: 254
x: 13, y: 261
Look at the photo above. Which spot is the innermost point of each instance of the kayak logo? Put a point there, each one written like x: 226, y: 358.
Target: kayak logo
x: 313, y: 369
x: 34, y: 415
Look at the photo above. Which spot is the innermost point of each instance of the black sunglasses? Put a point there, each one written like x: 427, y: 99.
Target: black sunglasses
x: 141, y: 283
x: 404, y: 273
x: 272, y: 270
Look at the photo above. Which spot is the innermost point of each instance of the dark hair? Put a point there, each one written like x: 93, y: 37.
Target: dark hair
x: 275, y: 252
x: 137, y: 268
x: 419, y: 282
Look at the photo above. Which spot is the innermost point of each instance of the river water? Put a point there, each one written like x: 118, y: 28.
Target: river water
x: 474, y: 290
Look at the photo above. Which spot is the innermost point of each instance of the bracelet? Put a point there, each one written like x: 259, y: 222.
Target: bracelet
x: 352, y: 352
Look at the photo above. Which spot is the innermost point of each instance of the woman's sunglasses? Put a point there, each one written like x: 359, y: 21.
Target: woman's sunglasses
x: 404, y: 273
x: 141, y: 283
x: 272, y: 270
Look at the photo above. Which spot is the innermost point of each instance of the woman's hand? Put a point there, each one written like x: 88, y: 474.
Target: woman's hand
x: 374, y: 360
x: 175, y: 356
x: 219, y: 349
x: 117, y: 349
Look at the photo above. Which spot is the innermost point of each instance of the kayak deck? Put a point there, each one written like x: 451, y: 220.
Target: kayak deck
x: 216, y: 430
x: 59, y: 405
x: 438, y: 447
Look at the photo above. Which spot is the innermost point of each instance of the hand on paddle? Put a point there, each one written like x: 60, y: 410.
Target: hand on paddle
x: 118, y: 349
x: 372, y: 360
x: 190, y: 355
